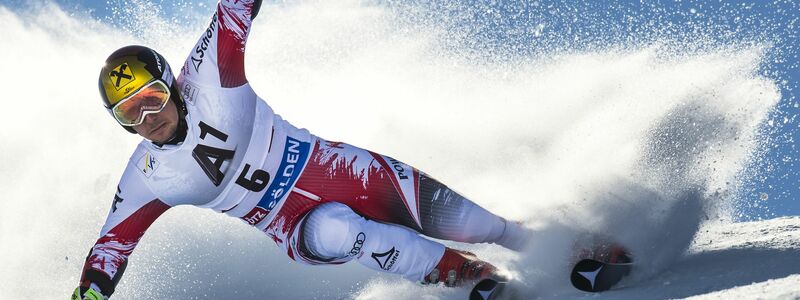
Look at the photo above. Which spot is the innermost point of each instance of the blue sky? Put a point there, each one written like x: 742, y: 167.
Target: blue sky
x: 506, y: 28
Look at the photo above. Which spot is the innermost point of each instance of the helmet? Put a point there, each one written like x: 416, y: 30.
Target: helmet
x: 128, y: 70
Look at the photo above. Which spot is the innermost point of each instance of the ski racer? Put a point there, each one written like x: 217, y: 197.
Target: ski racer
x: 211, y: 142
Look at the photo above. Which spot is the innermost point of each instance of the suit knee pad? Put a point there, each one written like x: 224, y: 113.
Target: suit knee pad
x: 332, y: 231
x: 335, y: 232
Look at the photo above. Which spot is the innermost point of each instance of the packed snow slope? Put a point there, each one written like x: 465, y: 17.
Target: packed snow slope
x: 740, y: 261
x: 646, y: 142
x: 750, y: 260
x: 729, y: 261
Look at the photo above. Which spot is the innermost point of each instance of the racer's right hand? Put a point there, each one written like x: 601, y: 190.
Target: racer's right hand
x: 89, y: 294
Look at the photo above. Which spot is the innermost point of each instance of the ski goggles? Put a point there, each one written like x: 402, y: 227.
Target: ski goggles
x: 150, y: 99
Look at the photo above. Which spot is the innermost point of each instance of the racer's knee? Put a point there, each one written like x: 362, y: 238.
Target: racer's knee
x: 333, y: 231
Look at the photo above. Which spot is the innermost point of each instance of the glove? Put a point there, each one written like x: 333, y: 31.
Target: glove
x: 89, y: 294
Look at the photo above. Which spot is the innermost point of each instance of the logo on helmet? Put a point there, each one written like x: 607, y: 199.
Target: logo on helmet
x: 158, y: 61
x: 121, y: 76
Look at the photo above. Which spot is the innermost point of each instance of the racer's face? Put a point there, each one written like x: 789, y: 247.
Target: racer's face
x: 159, y: 127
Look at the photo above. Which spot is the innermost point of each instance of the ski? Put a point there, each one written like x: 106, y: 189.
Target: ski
x: 590, y: 275
x: 491, y: 289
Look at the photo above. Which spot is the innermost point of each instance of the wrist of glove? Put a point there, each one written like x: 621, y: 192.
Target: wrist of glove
x: 91, y: 293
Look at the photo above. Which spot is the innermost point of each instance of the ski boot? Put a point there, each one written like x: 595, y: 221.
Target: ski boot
x: 459, y: 267
x: 607, y: 253
x: 602, y: 249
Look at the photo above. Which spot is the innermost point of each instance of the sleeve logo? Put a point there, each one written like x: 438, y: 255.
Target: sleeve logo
x: 203, y: 44
x: 117, y: 199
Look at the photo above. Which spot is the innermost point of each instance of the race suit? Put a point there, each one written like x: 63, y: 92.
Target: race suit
x: 322, y: 202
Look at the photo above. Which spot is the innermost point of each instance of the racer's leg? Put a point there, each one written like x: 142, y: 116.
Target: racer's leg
x: 446, y: 214
x: 384, y: 189
x: 333, y: 232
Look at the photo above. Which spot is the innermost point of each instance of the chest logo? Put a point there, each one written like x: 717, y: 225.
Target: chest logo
x: 189, y: 92
x: 295, y: 155
x: 147, y: 164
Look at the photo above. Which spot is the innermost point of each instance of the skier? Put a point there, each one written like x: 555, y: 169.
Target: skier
x: 210, y: 141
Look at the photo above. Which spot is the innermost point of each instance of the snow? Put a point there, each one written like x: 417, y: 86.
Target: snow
x: 783, y: 288
x: 750, y: 260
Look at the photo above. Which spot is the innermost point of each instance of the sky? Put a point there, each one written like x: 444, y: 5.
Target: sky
x: 509, y: 30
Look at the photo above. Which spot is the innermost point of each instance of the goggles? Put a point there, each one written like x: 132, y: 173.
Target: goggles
x: 150, y: 99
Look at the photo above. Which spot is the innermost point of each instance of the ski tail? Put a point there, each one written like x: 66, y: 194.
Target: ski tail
x: 590, y: 275
x: 497, y: 289
x: 485, y: 289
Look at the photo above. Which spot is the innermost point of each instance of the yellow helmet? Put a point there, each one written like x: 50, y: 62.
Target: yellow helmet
x: 128, y: 70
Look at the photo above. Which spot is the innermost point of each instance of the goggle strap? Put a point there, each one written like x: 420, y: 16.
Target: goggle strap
x: 167, y: 75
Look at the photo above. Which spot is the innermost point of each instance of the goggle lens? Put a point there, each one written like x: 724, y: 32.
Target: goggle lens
x: 149, y: 100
